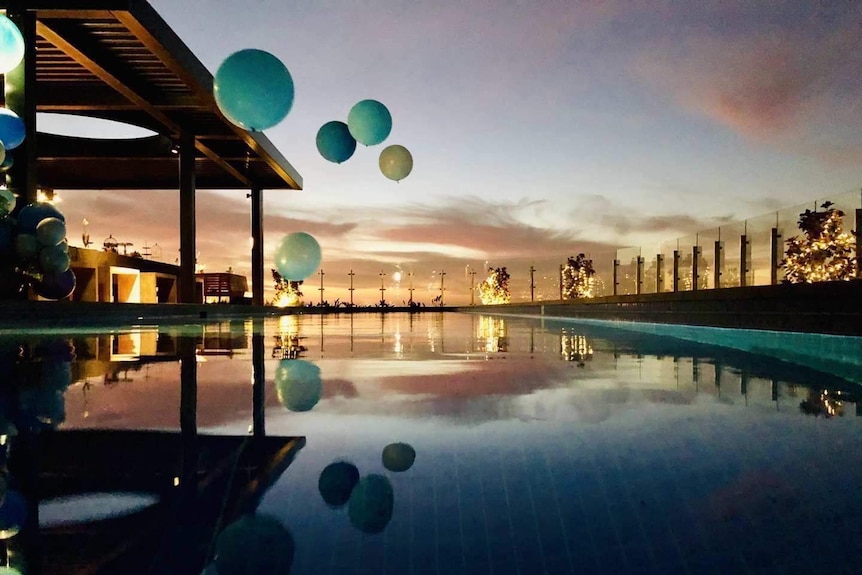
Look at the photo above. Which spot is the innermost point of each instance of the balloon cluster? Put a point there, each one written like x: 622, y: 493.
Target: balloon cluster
x: 11, y: 54
x: 33, y: 249
x: 370, y: 500
x: 368, y: 122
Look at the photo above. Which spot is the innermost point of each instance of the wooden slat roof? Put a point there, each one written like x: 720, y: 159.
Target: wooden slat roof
x: 119, y: 60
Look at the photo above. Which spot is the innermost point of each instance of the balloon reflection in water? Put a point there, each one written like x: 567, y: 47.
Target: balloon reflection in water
x: 254, y: 544
x: 371, y: 504
x: 398, y: 457
x: 298, y: 384
x: 336, y: 482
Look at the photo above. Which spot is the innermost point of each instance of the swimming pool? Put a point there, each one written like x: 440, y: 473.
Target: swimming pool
x: 541, y: 446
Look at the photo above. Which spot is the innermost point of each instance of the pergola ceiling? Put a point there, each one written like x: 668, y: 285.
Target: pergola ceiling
x: 119, y: 60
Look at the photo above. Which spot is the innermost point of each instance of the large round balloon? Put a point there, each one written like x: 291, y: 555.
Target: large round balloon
x: 298, y: 385
x: 31, y: 214
x: 396, y: 162
x: 398, y: 457
x: 297, y: 256
x: 56, y: 286
x: 11, y: 129
x: 336, y: 482
x: 7, y: 202
x: 334, y: 142
x: 253, y: 89
x: 254, y: 544
x: 371, y: 504
x: 51, y: 231
x: 54, y: 259
x: 11, y: 45
x: 369, y: 122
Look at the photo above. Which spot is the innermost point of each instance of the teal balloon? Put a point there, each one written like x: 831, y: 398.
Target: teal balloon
x: 336, y: 483
x: 56, y: 286
x: 31, y: 214
x: 297, y: 256
x: 27, y: 246
x: 7, y: 202
x: 54, y: 259
x: 398, y: 457
x: 298, y: 384
x: 51, y: 231
x: 334, y: 142
x: 253, y: 89
x: 371, y: 504
x: 11, y: 129
x: 254, y: 545
x: 8, y: 160
x: 11, y: 45
x: 396, y: 162
x: 369, y: 122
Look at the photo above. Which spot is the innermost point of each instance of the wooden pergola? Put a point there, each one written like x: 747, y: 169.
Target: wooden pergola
x: 118, y: 60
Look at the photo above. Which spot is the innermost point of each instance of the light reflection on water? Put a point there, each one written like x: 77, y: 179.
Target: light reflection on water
x: 539, y: 446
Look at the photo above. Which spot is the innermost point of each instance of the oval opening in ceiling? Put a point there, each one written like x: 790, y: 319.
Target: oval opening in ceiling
x: 87, y: 127
x: 89, y: 507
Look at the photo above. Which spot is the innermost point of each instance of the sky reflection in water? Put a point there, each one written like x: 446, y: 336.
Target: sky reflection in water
x: 538, y: 446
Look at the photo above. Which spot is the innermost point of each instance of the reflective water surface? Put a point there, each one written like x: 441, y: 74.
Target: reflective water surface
x: 433, y: 443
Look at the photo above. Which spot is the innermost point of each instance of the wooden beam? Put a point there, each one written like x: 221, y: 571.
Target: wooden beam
x: 114, y: 82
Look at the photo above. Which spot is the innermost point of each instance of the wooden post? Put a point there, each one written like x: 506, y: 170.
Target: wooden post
x: 187, y: 218
x: 639, y: 275
x: 718, y: 256
x: 775, y: 256
x: 743, y: 260
x: 257, y: 288
x: 695, y: 268
x: 675, y: 270
x: 659, y: 273
x: 616, y: 276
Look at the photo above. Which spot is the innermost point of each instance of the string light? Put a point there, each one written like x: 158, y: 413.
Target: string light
x: 579, y: 278
x: 495, y: 288
x: 824, y: 253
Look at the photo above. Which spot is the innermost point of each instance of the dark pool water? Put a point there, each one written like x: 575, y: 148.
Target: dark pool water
x: 540, y: 446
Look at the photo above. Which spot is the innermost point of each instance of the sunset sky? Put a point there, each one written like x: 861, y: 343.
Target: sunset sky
x: 538, y: 130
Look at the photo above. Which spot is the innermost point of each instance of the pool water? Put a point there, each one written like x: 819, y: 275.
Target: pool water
x: 541, y: 446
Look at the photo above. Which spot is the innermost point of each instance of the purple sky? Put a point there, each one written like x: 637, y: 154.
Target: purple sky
x: 538, y: 130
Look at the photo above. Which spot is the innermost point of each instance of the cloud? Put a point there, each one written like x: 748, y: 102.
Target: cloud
x: 793, y: 82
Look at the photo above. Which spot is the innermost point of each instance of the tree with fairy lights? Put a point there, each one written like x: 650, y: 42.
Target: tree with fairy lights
x: 495, y: 288
x: 824, y: 252
x: 287, y: 292
x: 579, y: 278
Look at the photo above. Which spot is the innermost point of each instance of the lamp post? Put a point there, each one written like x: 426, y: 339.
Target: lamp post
x: 410, y: 289
x: 442, y: 289
x: 472, y: 273
x: 532, y: 283
x: 350, y: 289
x: 320, y: 289
x: 382, y: 287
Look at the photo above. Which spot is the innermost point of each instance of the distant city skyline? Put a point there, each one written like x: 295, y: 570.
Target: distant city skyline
x: 538, y: 131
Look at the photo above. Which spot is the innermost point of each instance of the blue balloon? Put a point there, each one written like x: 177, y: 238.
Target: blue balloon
x: 56, y: 286
x: 32, y: 214
x: 336, y: 482
x: 334, y: 142
x: 297, y: 384
x: 369, y: 122
x: 371, y: 504
x: 51, y: 231
x: 396, y: 162
x: 27, y: 246
x: 253, y: 89
x: 11, y: 45
x: 254, y: 544
x: 12, y: 130
x: 54, y: 259
x: 297, y: 256
x: 13, y: 514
